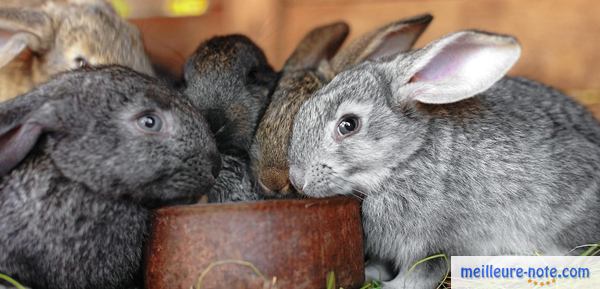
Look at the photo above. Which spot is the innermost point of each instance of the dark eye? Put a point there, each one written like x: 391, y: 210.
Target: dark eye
x: 348, y: 125
x: 81, y: 62
x: 150, y: 123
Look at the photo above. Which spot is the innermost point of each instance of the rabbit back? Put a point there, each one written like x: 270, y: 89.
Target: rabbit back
x: 450, y: 157
x: 479, y: 185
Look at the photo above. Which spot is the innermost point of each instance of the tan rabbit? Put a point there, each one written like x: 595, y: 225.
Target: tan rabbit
x: 41, y: 38
x: 313, y: 64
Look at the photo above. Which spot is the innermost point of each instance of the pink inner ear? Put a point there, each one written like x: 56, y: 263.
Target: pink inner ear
x: 16, y: 144
x: 446, y: 63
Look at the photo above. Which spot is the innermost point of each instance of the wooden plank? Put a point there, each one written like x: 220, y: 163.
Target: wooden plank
x: 258, y: 19
x: 169, y: 41
x: 560, y: 38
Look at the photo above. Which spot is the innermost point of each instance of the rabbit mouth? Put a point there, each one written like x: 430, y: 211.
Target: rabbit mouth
x: 180, y: 188
x: 175, y: 196
x: 284, y: 191
x: 327, y: 187
x: 319, y: 181
x: 335, y: 186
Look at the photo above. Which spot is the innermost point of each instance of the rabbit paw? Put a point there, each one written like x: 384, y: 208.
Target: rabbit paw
x: 378, y: 270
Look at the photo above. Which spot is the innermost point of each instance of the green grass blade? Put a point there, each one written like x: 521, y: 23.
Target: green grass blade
x: 12, y: 281
x: 437, y: 256
x: 331, y: 280
x: 592, y: 250
x: 377, y: 285
x: 426, y: 259
x: 372, y: 285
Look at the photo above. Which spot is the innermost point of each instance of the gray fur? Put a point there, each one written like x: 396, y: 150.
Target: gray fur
x: 314, y: 62
x: 75, y: 212
x: 513, y: 170
x: 230, y: 80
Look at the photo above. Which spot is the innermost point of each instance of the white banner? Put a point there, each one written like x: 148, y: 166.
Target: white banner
x: 525, y: 272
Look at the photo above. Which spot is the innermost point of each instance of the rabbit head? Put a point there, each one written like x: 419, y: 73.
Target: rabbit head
x: 117, y: 132
x: 62, y: 36
x: 230, y: 80
x: 367, y: 121
x: 313, y: 64
x: 299, y: 78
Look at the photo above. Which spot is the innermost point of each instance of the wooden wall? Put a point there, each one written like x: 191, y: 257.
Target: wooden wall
x: 560, y: 39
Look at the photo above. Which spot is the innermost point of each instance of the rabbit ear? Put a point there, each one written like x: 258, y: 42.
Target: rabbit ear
x: 21, y: 29
x: 388, y: 40
x: 454, y: 68
x: 319, y: 44
x: 22, y: 122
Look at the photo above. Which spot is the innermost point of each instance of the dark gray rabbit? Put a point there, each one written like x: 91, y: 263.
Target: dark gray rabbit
x: 230, y: 80
x: 83, y: 159
x: 451, y: 157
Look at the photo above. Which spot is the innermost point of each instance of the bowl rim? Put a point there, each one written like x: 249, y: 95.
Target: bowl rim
x: 278, y: 204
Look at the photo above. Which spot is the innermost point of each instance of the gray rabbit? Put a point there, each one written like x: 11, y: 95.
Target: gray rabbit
x: 451, y: 157
x: 230, y: 80
x: 314, y: 62
x: 83, y: 159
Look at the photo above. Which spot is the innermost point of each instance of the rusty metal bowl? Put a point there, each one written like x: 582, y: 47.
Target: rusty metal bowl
x: 268, y: 244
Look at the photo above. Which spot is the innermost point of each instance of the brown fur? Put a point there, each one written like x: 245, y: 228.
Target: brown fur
x: 309, y: 68
x: 210, y: 59
x: 293, y: 90
x: 58, y: 32
x: 319, y: 44
x: 300, y: 78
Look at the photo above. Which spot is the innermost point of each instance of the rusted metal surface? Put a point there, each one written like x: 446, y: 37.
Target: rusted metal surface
x: 296, y: 241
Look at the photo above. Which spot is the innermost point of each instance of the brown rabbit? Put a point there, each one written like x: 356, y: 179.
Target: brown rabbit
x: 313, y: 64
x: 41, y: 38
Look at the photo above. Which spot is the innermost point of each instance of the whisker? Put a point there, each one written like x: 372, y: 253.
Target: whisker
x: 355, y: 188
x: 357, y: 196
x: 352, y: 193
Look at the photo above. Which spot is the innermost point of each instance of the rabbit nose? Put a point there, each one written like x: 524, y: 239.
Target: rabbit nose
x: 297, y: 178
x: 274, y: 180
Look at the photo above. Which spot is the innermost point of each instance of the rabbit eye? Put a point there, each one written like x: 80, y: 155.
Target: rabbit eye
x: 348, y: 125
x: 150, y: 123
x: 81, y: 62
